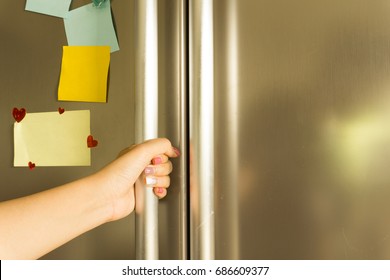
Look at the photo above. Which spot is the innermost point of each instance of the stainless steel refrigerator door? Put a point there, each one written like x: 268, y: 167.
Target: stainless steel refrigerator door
x: 31, y: 52
x: 301, y: 123
x: 30, y: 61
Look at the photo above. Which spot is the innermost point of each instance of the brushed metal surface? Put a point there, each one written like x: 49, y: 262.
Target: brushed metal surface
x: 171, y: 70
x: 173, y: 124
x: 227, y: 130
x: 30, y: 55
x: 146, y: 121
x: 201, y: 81
x: 301, y: 97
x: 311, y: 88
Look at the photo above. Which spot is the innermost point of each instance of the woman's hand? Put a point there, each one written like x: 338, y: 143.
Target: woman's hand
x: 148, y: 161
x: 33, y: 225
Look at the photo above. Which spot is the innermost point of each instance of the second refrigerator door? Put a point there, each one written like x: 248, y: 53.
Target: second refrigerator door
x: 301, y: 136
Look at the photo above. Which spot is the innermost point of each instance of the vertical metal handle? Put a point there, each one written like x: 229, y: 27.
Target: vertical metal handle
x: 146, y: 122
x: 202, y: 128
x: 183, y: 126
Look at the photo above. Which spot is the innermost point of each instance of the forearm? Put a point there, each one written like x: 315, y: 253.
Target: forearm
x: 34, y: 225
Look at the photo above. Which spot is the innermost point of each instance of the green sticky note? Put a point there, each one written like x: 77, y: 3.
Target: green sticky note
x: 53, y: 139
x: 57, y: 8
x: 84, y: 73
x: 91, y: 26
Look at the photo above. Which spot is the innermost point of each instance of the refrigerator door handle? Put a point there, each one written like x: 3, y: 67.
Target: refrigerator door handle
x: 201, y: 67
x: 146, y: 121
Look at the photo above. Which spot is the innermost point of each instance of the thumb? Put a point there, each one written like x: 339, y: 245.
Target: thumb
x: 158, y: 146
x: 141, y: 155
x: 133, y: 161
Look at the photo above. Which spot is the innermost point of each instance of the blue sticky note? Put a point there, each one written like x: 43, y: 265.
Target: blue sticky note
x: 91, y: 26
x: 57, y: 8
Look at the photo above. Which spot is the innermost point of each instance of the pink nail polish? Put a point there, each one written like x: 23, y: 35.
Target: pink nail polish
x: 149, y: 170
x: 160, y: 190
x: 176, y: 150
x: 156, y: 160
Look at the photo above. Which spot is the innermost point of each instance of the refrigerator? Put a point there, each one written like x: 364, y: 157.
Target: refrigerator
x: 280, y: 109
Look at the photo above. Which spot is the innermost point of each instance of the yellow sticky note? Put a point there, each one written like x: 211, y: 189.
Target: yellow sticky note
x: 53, y: 139
x: 84, y: 73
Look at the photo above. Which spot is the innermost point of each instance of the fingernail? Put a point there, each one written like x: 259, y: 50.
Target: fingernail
x: 149, y: 170
x: 156, y: 160
x: 176, y: 150
x: 151, y: 180
x: 160, y: 190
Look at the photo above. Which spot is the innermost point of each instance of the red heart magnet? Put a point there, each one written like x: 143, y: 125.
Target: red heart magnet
x: 91, y: 143
x: 19, y: 114
x: 61, y: 110
x: 31, y: 165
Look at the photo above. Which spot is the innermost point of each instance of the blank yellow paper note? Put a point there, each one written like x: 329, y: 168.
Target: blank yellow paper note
x: 53, y: 139
x: 84, y: 73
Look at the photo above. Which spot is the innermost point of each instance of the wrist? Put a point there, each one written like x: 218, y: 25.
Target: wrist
x: 114, y: 196
x: 100, y: 200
